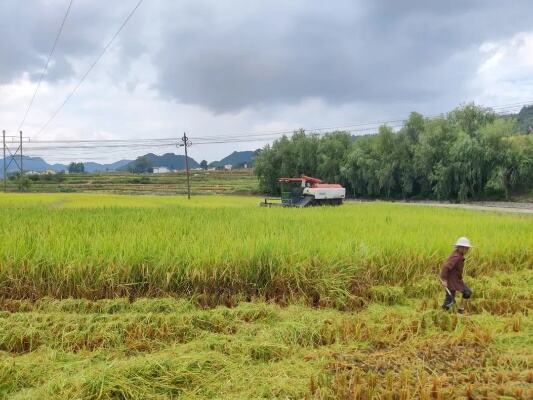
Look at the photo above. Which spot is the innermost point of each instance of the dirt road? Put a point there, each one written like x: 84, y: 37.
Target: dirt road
x: 494, y: 206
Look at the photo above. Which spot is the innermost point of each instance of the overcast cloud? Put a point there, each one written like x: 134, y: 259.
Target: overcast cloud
x: 215, y: 67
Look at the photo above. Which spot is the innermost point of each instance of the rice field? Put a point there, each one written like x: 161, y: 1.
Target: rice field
x: 241, y: 181
x: 108, y: 296
x: 102, y: 246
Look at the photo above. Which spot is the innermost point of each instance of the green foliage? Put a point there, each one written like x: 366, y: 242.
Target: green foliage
x: 301, y: 154
x: 76, y: 167
x: 469, y: 153
x: 516, y: 167
x: 143, y: 180
x: 48, y: 178
x: 141, y: 165
x: 331, y: 152
x: 525, y: 120
x: 24, y: 184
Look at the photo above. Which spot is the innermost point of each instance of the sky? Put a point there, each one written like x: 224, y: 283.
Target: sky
x: 223, y: 68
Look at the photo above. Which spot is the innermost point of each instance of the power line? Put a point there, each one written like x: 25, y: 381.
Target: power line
x: 352, y: 128
x: 103, y: 140
x: 45, y: 69
x: 97, y: 147
x: 391, y: 122
x: 104, y: 50
x: 84, y: 148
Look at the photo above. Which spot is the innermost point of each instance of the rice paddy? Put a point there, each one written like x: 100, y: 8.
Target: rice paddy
x: 156, y: 297
x: 241, y: 181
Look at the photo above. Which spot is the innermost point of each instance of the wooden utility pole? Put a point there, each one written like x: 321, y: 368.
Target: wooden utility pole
x: 185, y: 142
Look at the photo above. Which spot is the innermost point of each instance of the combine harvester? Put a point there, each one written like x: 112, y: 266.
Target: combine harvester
x: 305, y: 192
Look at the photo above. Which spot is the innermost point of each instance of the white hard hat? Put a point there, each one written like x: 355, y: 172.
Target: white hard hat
x: 463, y: 242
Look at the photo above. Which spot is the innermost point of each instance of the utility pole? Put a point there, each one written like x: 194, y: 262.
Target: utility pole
x: 185, y: 142
x: 12, y: 155
x: 21, y: 169
x: 4, y: 149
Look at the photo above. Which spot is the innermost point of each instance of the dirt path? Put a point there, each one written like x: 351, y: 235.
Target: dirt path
x: 494, y: 206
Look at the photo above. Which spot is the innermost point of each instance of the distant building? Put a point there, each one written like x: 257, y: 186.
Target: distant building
x: 161, y: 170
x: 31, y: 173
x: 49, y: 172
x: 228, y: 167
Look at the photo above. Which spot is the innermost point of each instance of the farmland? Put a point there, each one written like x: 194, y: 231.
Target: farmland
x: 111, y: 296
x: 202, y: 182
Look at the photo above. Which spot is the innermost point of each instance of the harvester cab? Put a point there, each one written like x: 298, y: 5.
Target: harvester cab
x: 307, y: 191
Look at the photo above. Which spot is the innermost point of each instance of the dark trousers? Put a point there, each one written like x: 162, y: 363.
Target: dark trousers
x: 449, y: 299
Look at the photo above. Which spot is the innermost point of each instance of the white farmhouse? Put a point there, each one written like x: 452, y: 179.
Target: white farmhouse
x: 228, y: 167
x: 161, y: 170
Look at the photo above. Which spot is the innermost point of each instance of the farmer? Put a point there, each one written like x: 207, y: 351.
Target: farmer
x: 451, y: 275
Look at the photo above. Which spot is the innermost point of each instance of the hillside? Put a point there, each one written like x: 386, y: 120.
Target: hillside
x: 39, y: 165
x: 169, y: 160
x: 32, y: 164
x: 96, y: 167
x: 235, y: 158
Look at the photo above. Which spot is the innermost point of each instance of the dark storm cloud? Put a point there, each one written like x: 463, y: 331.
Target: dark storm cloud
x: 28, y: 30
x: 341, y: 51
x: 229, y: 55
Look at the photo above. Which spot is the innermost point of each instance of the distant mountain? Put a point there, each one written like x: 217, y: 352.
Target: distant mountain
x: 169, y: 160
x: 40, y: 165
x: 236, y: 158
x: 95, y: 167
x: 31, y: 164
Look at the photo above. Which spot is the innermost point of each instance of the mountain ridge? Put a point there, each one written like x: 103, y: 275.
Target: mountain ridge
x: 169, y: 160
x: 236, y: 158
x: 39, y: 164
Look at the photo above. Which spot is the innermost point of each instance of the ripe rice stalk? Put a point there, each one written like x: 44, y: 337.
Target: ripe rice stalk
x: 105, y: 246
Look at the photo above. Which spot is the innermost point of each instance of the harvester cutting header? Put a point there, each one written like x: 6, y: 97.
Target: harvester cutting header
x: 306, y: 191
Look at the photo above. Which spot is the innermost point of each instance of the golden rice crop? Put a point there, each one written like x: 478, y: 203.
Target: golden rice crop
x: 216, y: 248
x: 168, y: 348
x: 72, y: 324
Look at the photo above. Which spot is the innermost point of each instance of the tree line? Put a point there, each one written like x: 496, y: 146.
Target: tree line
x: 469, y: 153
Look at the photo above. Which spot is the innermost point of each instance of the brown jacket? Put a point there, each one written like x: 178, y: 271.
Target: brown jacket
x: 452, y: 271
